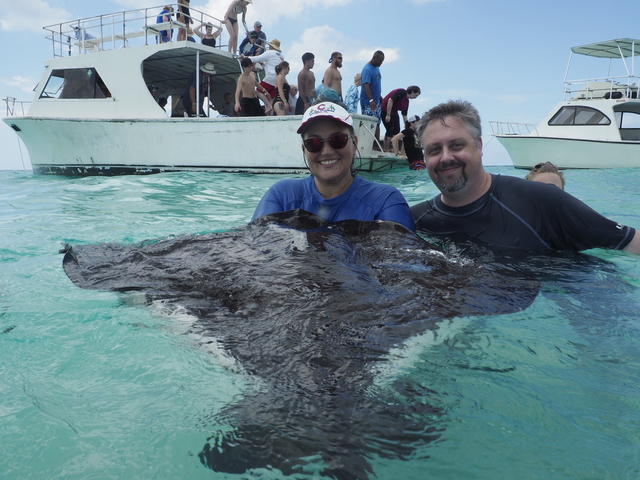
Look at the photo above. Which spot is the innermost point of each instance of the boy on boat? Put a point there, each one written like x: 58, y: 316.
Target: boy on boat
x: 247, y: 103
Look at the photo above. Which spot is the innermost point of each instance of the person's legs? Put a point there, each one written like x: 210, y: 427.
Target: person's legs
x: 186, y: 103
x: 267, y: 103
x: 232, y: 28
x: 279, y: 109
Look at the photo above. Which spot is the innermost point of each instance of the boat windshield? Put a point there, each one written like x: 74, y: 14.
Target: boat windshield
x: 570, y: 115
x: 75, y: 83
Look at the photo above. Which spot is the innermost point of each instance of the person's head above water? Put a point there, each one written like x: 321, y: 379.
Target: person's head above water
x: 546, y: 172
x: 329, y: 146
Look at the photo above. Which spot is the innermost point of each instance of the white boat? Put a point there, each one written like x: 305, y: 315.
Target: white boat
x: 598, y: 124
x: 116, y: 126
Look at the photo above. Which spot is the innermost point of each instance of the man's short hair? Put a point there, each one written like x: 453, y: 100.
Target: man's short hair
x: 245, y: 62
x: 307, y: 56
x: 413, y: 89
x: 455, y: 108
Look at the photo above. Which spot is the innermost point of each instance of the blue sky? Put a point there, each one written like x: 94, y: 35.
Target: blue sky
x: 507, y: 57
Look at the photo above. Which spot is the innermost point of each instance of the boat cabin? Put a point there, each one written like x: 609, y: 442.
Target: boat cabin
x: 92, y: 82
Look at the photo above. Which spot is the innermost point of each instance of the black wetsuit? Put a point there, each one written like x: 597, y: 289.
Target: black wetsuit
x: 523, y: 214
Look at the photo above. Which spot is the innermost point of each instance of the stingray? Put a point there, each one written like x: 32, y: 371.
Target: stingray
x: 310, y: 310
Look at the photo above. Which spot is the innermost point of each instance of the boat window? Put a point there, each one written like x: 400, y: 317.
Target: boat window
x: 629, y: 119
x: 75, y: 83
x: 579, y: 116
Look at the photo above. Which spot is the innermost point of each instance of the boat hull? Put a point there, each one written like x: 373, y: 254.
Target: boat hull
x: 527, y: 151
x: 145, y: 146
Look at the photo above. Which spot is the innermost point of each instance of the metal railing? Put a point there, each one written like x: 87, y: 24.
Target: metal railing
x: 513, y: 128
x: 16, y: 108
x: 116, y: 30
x: 627, y: 85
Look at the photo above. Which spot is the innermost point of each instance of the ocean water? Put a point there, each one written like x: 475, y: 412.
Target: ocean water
x: 100, y: 385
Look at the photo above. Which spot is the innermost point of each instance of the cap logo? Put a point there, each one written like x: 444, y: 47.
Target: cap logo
x: 322, y: 108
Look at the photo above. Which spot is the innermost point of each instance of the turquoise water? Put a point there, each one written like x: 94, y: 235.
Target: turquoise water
x: 98, y: 385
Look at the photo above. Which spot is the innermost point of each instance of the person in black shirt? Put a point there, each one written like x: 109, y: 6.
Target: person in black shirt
x: 412, y: 149
x: 501, y: 210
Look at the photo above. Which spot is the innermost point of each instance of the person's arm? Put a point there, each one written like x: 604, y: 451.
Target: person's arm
x: 328, y: 77
x: 218, y: 31
x: 244, y: 18
x: 634, y: 244
x: 367, y: 92
x: 389, y: 108
x: 238, y: 90
x: 198, y: 32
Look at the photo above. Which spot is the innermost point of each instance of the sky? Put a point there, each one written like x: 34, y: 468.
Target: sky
x: 508, y: 58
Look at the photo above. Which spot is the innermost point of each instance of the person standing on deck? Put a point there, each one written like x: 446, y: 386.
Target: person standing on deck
x: 231, y: 20
x: 165, y: 17
x: 247, y: 103
x: 262, y: 37
x: 271, y: 59
x: 184, y: 16
x: 189, y: 97
x: 396, y: 101
x: 371, y: 91
x: 332, y: 76
x: 351, y: 99
x: 306, y: 84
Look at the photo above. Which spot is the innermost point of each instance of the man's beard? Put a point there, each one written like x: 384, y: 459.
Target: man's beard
x: 454, y: 186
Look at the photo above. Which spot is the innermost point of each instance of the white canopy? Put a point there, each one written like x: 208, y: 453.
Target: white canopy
x: 622, y: 47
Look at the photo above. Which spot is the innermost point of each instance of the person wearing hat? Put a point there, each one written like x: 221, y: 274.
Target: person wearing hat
x: 412, y: 149
x: 231, y: 20
x: 333, y: 191
x: 262, y: 37
x: 271, y: 59
x: 189, y: 97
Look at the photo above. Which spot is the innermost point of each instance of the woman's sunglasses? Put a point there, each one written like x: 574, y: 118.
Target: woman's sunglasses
x: 336, y: 141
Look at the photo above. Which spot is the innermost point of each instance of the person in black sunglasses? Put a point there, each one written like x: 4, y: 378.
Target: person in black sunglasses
x: 333, y: 191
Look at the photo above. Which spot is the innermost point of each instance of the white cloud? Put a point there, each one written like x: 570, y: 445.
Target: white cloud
x: 513, y: 99
x: 26, y: 84
x: 29, y: 15
x: 322, y: 41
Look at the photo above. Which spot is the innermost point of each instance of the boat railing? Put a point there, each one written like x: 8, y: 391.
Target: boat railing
x: 15, y: 107
x: 118, y: 30
x: 624, y: 86
x: 513, y: 128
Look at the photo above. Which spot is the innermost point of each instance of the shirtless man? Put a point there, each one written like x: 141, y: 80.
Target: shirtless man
x: 332, y: 76
x: 247, y: 104
x: 306, y: 84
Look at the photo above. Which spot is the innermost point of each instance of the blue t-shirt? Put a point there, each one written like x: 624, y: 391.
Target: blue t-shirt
x: 165, y: 35
x: 372, y: 76
x: 363, y: 200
